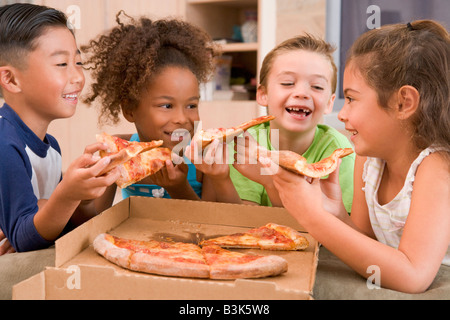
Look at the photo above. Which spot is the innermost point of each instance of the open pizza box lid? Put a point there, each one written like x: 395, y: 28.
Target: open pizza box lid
x: 80, y: 273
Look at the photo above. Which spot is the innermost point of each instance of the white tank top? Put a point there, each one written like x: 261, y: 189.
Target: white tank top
x: 388, y: 220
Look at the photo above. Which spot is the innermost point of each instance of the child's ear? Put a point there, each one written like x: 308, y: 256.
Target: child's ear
x: 330, y: 105
x: 8, y: 80
x: 261, y: 96
x: 127, y: 112
x: 408, y: 99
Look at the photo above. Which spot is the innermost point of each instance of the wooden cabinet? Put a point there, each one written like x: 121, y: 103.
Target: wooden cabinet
x: 221, y: 18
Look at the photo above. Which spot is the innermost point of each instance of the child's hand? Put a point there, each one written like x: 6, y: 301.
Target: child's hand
x: 246, y: 161
x: 214, y: 161
x: 332, y: 194
x: 173, y: 178
x: 81, y: 180
x: 170, y: 176
x: 5, y: 245
x: 300, y: 195
x: 303, y: 196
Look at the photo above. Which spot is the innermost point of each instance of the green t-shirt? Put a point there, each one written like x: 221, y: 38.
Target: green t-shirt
x: 326, y: 140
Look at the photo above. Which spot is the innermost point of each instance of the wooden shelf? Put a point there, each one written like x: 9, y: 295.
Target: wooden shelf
x: 219, y: 18
x: 234, y: 3
x: 239, y: 47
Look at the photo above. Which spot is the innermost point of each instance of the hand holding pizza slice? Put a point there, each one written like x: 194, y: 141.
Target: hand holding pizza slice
x: 135, y: 160
x: 121, y: 151
x: 202, y: 138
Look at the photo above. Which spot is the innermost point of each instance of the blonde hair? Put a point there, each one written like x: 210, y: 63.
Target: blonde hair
x: 305, y: 42
x: 415, y: 54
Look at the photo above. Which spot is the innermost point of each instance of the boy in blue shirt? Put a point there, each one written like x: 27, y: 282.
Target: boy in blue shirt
x: 41, y: 78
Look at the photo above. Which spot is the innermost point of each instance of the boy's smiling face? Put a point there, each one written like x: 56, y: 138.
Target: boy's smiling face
x: 52, y: 78
x: 298, y: 91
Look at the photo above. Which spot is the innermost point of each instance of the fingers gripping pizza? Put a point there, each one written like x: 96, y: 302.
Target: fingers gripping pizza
x: 136, y: 160
x: 204, y: 137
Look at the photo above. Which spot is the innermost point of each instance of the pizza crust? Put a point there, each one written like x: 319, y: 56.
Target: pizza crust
x: 120, y: 256
x: 263, y: 267
x: 159, y: 265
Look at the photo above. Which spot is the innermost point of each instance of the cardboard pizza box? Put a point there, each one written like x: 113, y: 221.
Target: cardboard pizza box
x: 80, y: 273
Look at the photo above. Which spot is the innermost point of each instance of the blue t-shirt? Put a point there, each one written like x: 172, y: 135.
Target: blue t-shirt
x: 30, y: 170
x: 153, y: 190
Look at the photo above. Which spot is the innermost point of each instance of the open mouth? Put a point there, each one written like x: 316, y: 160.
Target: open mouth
x: 299, y: 112
x: 70, y: 97
x: 178, y: 134
x: 352, y: 132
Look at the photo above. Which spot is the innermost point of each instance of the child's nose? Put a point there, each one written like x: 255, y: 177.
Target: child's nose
x: 342, y: 115
x: 77, y: 76
x: 180, y: 116
x: 301, y: 92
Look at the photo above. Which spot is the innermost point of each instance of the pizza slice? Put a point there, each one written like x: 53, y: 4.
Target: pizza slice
x: 121, y: 151
x: 269, y: 237
x: 204, y: 137
x: 142, y: 166
x: 225, y: 264
x: 294, y: 162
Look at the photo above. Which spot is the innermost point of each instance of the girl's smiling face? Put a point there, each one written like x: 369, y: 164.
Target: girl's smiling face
x: 371, y: 126
x: 298, y: 91
x: 168, y: 107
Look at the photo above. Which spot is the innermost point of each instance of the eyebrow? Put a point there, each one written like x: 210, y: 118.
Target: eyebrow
x: 172, y: 98
x: 294, y: 73
x: 350, y: 89
x: 64, y: 53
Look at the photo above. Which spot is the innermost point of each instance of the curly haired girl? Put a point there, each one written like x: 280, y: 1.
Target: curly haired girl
x: 150, y: 72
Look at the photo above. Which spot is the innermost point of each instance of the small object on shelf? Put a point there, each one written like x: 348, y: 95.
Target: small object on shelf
x: 249, y: 29
x: 223, y: 72
x: 237, y: 34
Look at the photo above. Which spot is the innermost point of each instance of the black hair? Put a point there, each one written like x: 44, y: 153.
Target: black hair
x: 20, y: 25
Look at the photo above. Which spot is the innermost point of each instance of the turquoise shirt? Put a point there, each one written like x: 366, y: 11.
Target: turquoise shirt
x: 155, y: 191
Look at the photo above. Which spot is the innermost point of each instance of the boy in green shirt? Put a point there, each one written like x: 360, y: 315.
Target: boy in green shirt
x: 297, y: 85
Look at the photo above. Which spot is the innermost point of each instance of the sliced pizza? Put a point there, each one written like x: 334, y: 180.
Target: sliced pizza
x: 186, y: 259
x: 121, y: 151
x: 225, y: 264
x: 294, y: 162
x: 269, y: 237
x: 204, y: 137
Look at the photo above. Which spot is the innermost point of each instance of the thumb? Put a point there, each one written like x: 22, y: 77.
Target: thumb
x: 95, y: 164
x: 334, y: 176
x: 268, y: 166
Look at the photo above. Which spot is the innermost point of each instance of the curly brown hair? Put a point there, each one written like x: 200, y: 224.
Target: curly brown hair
x: 124, y: 60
